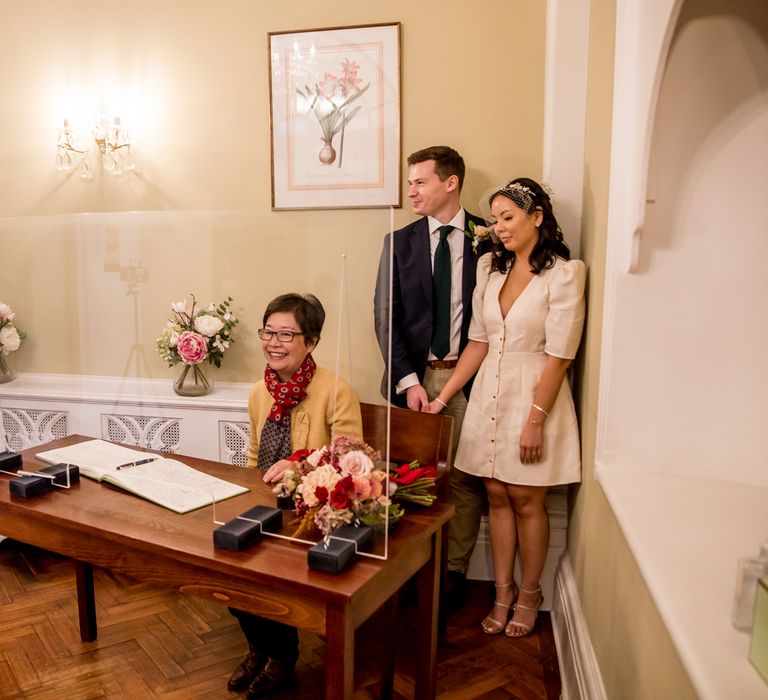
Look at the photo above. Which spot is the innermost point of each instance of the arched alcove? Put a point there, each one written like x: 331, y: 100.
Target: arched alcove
x: 689, y: 328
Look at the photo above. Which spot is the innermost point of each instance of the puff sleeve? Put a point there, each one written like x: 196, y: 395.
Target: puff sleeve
x: 477, y: 329
x: 565, y: 317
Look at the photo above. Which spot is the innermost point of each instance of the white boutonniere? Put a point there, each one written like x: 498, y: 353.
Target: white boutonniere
x: 477, y: 234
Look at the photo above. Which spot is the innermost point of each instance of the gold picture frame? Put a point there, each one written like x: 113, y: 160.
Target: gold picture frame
x: 335, y: 117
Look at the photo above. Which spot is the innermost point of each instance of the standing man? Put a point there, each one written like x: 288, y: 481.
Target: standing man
x: 433, y: 275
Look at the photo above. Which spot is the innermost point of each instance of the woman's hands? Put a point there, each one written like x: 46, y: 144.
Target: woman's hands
x: 275, y: 472
x: 434, y: 406
x: 531, y: 441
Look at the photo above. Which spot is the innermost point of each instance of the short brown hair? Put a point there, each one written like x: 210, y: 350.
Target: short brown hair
x: 447, y: 161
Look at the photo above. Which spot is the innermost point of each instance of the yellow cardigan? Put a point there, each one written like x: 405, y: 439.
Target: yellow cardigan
x: 313, y: 420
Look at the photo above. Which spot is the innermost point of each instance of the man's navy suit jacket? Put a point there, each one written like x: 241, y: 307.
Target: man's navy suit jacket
x: 412, y: 304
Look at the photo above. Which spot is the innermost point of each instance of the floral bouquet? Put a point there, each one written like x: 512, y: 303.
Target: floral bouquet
x: 10, y: 336
x: 193, y: 336
x: 345, y: 483
x: 413, y: 483
x: 10, y: 339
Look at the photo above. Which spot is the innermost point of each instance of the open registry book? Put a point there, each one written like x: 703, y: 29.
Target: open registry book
x: 167, y: 482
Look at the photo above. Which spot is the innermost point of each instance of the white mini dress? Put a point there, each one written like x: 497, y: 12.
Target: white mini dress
x: 546, y: 319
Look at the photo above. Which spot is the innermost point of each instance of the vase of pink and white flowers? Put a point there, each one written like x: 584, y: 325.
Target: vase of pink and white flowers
x: 196, y: 339
x: 10, y: 340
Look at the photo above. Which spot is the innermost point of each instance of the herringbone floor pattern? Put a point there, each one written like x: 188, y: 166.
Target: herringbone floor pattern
x: 157, y: 644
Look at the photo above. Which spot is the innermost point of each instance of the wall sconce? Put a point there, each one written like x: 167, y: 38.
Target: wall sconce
x: 111, y: 139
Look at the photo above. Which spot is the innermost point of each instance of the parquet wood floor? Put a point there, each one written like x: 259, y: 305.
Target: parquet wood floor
x: 157, y: 644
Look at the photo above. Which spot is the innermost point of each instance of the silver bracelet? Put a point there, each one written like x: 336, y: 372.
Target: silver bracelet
x: 539, y: 408
x: 441, y: 402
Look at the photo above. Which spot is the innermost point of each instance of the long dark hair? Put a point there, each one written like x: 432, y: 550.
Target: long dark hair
x: 528, y: 195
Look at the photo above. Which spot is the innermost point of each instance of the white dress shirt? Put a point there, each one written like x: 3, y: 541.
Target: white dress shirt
x: 456, y: 243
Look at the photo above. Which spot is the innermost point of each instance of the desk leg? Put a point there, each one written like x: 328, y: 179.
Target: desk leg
x: 388, y: 660
x: 340, y: 654
x: 442, y: 615
x: 426, y: 639
x: 86, y: 600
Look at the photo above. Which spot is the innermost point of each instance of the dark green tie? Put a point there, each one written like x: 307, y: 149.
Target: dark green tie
x: 441, y: 289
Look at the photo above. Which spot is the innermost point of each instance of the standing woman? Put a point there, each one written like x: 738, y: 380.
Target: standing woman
x: 520, y: 432
x: 297, y: 405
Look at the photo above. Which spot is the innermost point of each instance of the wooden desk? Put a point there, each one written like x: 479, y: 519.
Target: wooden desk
x: 97, y: 524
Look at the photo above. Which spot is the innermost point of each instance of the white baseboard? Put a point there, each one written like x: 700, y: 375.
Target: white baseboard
x: 579, y: 672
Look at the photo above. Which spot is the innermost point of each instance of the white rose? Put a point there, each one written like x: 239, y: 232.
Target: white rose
x: 180, y: 307
x: 9, y: 339
x: 6, y: 313
x: 356, y: 463
x: 208, y: 325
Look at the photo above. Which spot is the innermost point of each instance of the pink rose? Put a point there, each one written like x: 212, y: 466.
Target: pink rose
x: 192, y: 348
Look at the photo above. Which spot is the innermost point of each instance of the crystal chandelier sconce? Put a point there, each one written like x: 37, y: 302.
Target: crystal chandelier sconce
x: 111, y: 140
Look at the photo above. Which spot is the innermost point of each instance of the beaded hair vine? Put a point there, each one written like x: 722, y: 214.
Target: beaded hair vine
x: 520, y: 194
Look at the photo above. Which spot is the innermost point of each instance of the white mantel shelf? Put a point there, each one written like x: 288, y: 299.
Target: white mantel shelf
x: 687, y: 533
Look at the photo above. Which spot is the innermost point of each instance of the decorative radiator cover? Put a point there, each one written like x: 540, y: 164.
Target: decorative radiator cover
x: 38, y: 408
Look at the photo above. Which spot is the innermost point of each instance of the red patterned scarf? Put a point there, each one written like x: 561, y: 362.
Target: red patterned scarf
x: 275, y: 441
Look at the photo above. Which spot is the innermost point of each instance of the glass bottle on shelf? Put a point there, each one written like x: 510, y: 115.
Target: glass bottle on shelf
x: 750, y: 571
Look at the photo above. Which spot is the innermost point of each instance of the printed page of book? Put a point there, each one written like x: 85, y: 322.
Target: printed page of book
x: 95, y: 457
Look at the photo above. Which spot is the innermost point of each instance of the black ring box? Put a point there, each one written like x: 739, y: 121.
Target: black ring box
x: 10, y: 460
x: 238, y: 534
x: 332, y: 556
x: 27, y: 486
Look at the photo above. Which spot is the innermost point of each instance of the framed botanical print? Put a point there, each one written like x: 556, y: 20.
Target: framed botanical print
x: 335, y: 117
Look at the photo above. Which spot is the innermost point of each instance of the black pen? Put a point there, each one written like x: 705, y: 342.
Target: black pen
x: 136, y: 464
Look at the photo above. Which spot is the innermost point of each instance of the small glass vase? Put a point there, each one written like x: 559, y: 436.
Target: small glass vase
x: 193, y: 380
x: 6, y: 373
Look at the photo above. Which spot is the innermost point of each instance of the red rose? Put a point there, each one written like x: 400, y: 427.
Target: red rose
x: 342, y: 492
x: 339, y: 498
x: 321, y: 493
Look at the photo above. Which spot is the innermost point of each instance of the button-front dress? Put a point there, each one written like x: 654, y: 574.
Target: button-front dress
x: 546, y: 319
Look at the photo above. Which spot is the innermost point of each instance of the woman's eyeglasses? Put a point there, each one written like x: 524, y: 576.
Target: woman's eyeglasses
x: 282, y: 336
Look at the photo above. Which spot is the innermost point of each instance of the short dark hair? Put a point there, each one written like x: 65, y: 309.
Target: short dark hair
x: 306, y: 309
x: 550, y: 244
x: 447, y: 162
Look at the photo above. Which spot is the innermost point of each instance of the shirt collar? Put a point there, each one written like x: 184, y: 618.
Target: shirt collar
x: 457, y: 221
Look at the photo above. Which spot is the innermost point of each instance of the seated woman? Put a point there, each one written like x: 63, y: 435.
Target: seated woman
x: 297, y: 406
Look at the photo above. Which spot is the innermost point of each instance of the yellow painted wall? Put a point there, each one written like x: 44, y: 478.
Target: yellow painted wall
x: 634, y: 652
x: 196, y: 216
